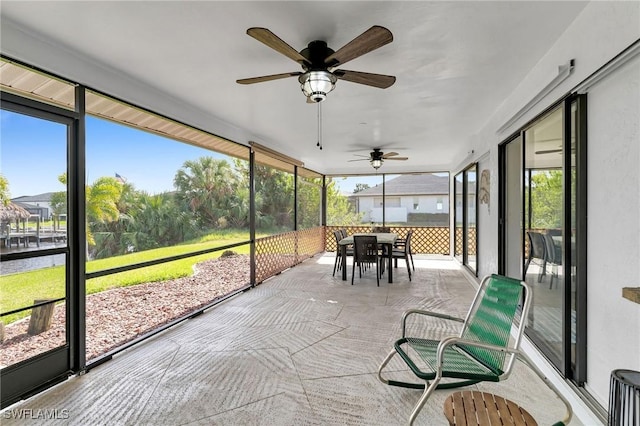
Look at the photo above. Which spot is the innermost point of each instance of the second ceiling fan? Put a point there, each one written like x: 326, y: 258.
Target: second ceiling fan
x: 318, y: 62
x: 377, y: 157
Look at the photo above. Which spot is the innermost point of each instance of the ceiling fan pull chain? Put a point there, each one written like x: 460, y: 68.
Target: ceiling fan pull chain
x: 319, y: 144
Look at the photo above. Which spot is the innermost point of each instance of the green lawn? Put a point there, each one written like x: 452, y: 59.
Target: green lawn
x: 19, y: 290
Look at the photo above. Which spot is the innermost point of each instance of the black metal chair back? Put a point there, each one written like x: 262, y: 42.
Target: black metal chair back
x: 537, y: 250
x: 404, y: 252
x: 365, y: 253
x: 553, y: 255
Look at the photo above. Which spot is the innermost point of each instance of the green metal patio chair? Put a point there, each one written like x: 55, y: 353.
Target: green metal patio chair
x: 481, y: 351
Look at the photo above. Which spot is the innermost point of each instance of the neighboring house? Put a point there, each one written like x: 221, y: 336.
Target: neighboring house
x: 36, y: 204
x: 420, y: 198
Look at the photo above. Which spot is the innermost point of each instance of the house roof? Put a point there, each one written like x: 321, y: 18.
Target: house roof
x: 45, y: 197
x: 420, y: 184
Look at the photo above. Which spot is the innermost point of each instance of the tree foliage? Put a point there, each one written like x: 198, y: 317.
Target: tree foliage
x: 360, y: 187
x: 206, y: 186
x: 309, y: 202
x: 546, y: 199
x: 340, y: 209
x: 5, y: 195
x: 209, y: 194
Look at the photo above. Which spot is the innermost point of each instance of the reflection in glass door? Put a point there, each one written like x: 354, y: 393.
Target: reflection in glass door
x: 34, y: 250
x: 543, y: 226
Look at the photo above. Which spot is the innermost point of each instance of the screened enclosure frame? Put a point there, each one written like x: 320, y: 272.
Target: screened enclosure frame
x: 54, y: 93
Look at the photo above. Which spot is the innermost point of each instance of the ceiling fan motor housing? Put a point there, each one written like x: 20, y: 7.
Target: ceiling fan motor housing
x: 317, y: 80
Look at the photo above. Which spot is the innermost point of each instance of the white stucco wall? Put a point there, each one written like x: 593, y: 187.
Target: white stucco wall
x: 599, y: 34
x: 613, y: 244
x: 426, y: 203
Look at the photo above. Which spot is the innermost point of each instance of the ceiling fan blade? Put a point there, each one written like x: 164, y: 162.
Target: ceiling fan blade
x: 369, y: 40
x: 390, y: 154
x: 397, y: 158
x: 376, y: 80
x: 360, y: 159
x: 548, y: 151
x: 267, y: 78
x: 265, y: 36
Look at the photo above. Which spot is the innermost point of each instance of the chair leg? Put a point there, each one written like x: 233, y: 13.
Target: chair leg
x: 377, y: 272
x: 412, y: 264
x: 423, y: 399
x: 428, y: 390
x: 406, y: 260
x: 543, y: 271
x: 383, y: 365
x: 335, y: 264
x: 353, y: 270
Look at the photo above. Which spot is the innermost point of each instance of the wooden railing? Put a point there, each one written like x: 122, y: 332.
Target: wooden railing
x: 276, y: 253
x: 425, y: 239
x: 472, y: 240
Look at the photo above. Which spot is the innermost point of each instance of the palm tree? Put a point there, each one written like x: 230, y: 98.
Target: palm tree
x: 206, y: 186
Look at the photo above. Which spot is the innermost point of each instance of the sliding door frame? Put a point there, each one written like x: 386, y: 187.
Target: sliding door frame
x: 572, y: 364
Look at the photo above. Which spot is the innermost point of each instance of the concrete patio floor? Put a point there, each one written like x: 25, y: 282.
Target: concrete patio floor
x: 303, y: 348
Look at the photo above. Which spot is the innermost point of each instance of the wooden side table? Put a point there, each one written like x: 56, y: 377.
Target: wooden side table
x: 484, y: 409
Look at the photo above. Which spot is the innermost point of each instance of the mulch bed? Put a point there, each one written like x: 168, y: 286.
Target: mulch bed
x: 117, y: 316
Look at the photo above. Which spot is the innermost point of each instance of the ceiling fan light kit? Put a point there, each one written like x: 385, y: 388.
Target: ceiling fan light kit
x: 376, y: 163
x: 316, y: 84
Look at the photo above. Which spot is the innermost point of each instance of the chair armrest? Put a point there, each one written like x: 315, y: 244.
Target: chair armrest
x: 406, y: 314
x: 454, y: 340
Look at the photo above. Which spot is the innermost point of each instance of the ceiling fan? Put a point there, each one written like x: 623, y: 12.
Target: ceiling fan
x: 377, y: 157
x: 318, y: 62
x: 552, y: 151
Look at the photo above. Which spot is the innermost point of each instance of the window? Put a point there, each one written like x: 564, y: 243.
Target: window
x: 392, y: 202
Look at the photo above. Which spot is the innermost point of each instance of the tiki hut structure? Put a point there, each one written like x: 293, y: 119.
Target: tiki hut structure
x: 12, y: 213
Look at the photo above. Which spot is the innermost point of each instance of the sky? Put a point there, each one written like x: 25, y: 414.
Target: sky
x: 33, y: 155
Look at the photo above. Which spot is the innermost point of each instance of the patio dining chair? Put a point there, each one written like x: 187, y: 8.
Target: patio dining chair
x: 365, y: 254
x: 553, y: 256
x: 403, y: 251
x: 337, y: 265
x: 537, y: 250
x: 481, y: 351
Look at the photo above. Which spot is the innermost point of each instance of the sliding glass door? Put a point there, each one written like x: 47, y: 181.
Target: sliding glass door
x: 542, y: 185
x: 465, y: 185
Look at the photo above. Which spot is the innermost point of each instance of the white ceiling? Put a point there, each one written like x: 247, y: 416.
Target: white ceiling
x: 455, y: 62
